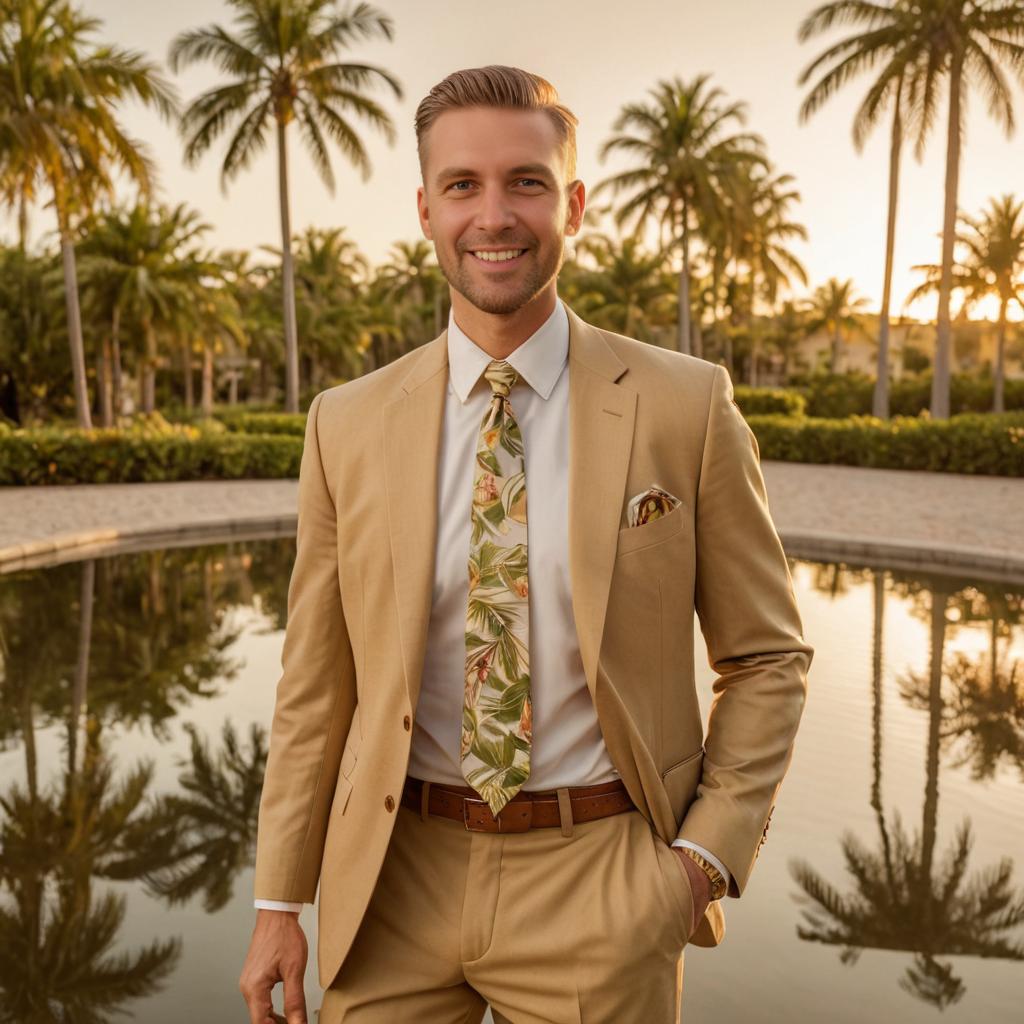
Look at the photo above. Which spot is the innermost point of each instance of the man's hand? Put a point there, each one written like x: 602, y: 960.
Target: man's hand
x: 277, y: 953
x: 700, y: 886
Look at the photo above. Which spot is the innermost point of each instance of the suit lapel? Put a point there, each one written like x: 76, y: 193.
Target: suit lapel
x: 412, y: 445
x: 601, y: 418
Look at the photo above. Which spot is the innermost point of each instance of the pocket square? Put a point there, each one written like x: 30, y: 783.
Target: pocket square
x: 650, y: 504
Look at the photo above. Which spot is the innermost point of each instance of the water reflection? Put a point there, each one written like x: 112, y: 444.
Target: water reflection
x: 135, y: 695
x: 906, y: 895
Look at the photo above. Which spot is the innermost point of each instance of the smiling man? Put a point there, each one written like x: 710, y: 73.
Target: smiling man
x: 487, y: 747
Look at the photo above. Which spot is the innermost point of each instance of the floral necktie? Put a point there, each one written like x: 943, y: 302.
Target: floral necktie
x: 497, y: 711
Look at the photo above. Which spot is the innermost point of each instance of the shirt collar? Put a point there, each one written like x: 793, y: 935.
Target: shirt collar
x: 538, y: 360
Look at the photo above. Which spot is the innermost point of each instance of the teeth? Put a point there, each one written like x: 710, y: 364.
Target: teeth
x: 498, y: 257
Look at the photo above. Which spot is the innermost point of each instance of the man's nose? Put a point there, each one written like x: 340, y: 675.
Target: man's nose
x: 494, y: 212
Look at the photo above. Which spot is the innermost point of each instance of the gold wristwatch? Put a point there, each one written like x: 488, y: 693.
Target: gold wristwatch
x: 718, y: 884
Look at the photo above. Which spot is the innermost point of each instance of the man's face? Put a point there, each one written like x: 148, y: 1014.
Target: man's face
x: 494, y: 181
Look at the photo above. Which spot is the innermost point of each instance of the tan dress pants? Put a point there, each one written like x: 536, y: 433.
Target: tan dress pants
x: 583, y: 924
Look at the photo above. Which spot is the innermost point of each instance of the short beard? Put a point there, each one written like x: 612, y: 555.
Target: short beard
x: 496, y: 300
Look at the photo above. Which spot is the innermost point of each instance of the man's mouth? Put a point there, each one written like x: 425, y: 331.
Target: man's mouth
x: 497, y: 256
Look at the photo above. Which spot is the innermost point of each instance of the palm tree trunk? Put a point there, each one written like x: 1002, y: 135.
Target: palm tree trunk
x: 22, y: 223
x: 75, y: 342
x: 683, y: 334
x: 115, y: 352
x: 291, y: 339
x: 105, y: 383
x: 880, y: 402
x: 186, y: 369
x: 207, y: 393
x: 940, y: 376
x: 999, y: 370
x: 149, y: 369
x: 836, y: 342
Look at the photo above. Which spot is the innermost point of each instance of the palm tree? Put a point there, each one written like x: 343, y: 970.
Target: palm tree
x: 685, y: 163
x: 59, y: 94
x: 993, y: 259
x: 760, y: 230
x: 834, y: 308
x: 412, y: 279
x: 150, y: 270
x: 885, y: 36
x: 966, y: 41
x: 995, y: 262
x: 630, y: 290
x: 282, y: 61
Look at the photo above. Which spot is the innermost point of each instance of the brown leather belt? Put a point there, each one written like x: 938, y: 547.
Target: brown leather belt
x: 528, y: 809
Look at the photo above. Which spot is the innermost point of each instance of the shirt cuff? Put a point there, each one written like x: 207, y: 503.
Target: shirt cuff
x: 295, y: 908
x: 710, y: 856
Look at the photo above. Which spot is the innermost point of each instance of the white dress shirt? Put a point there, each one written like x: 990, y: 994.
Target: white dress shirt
x: 567, y: 746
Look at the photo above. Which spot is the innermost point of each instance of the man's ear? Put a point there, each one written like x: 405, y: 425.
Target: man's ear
x: 577, y: 194
x: 423, y: 212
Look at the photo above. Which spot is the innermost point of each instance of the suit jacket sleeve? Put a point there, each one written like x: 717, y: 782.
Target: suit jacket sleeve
x: 315, y: 699
x: 748, y: 614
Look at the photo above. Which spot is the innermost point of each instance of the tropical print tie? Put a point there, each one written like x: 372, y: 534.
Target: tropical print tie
x: 497, y: 712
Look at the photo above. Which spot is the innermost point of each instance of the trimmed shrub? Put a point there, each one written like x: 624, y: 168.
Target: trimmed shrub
x: 769, y: 401
x: 968, y: 443
x: 51, y: 456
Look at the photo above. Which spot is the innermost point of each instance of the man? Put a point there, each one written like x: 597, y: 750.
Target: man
x: 486, y: 745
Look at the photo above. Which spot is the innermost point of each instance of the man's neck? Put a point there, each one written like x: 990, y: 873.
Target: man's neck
x: 501, y: 334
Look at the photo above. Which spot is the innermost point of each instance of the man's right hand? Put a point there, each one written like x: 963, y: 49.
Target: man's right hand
x: 277, y: 953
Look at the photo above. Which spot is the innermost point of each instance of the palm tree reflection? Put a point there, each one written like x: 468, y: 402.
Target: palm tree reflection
x: 903, y: 899
x: 211, y: 826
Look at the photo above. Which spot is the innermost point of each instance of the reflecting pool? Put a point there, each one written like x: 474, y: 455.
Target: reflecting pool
x: 137, y: 692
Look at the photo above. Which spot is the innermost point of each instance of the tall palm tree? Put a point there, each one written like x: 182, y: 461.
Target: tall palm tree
x: 59, y: 98
x: 834, y: 308
x: 886, y: 37
x: 995, y: 260
x: 685, y: 161
x: 283, y: 65
x: 966, y: 41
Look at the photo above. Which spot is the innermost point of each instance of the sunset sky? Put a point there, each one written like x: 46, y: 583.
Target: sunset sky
x: 599, y: 56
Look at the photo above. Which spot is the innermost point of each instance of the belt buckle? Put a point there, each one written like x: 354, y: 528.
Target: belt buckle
x: 515, y: 816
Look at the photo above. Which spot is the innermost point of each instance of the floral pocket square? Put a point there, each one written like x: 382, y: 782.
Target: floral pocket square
x: 650, y: 504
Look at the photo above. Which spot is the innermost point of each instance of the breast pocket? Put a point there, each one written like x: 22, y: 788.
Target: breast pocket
x: 637, y: 538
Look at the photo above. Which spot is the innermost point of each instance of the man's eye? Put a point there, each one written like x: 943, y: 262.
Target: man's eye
x: 534, y: 180
x: 454, y: 183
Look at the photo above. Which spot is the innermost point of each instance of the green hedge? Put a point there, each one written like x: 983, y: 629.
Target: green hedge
x: 244, y: 422
x: 836, y: 396
x: 155, y: 450
x: 50, y: 456
x: 968, y: 443
x: 769, y: 401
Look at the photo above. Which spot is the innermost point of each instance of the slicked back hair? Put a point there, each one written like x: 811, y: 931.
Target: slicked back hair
x: 497, y: 85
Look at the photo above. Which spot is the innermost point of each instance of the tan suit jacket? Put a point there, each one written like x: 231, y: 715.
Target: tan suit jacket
x: 360, y: 595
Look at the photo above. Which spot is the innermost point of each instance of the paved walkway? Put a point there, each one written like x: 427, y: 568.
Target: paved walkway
x: 941, y: 519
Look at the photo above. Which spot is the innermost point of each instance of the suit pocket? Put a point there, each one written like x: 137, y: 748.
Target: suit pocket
x: 681, y: 781
x: 635, y: 538
x: 675, y: 878
x: 350, y: 754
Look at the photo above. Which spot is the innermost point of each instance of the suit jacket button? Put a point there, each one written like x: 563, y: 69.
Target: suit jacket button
x: 389, y: 802
x: 407, y: 722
